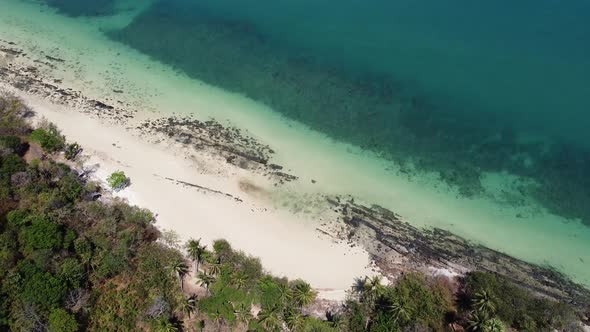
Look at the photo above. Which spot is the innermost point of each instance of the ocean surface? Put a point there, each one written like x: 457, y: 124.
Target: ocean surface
x: 471, y: 116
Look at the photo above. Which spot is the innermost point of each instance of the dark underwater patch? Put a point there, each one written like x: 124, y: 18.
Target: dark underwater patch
x: 370, y: 110
x: 77, y: 8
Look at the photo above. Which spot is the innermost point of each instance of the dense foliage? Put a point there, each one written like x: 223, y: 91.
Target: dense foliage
x: 70, y: 263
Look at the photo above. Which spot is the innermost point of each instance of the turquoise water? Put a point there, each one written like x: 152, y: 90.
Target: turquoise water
x: 489, y: 94
x: 457, y: 89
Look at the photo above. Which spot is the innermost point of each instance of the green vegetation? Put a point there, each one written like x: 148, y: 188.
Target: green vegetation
x: 50, y: 139
x: 118, y: 181
x: 70, y: 263
x: 72, y: 150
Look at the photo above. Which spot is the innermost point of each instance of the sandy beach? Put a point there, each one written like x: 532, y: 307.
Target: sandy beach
x: 288, y: 244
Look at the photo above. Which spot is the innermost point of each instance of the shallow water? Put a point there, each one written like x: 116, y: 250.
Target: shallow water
x: 476, y: 111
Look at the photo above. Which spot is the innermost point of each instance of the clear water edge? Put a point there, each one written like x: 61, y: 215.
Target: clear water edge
x: 526, y: 232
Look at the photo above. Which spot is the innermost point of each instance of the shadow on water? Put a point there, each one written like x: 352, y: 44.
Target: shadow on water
x: 354, y: 101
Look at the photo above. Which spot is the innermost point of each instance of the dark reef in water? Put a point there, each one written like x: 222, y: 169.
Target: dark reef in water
x: 83, y: 8
x: 382, y: 233
x: 369, y: 110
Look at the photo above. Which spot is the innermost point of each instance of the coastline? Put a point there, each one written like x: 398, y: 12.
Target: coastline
x: 222, y: 179
x: 75, y: 56
x: 215, y: 208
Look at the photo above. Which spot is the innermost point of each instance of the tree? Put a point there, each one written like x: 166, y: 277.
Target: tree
x: 302, y: 293
x: 214, y: 265
x: 494, y: 325
x: 359, y: 287
x: 243, y: 313
x: 61, y: 321
x: 189, y: 305
x: 477, y: 322
x: 483, y: 302
x: 41, y: 234
x: 205, y: 279
x: 374, y: 288
x: 295, y: 321
x: 239, y: 279
x: 44, y: 289
x: 216, y: 317
x: 400, y: 311
x: 72, y: 272
x: 270, y: 319
x: 180, y: 269
x: 196, y: 252
x: 165, y: 325
x: 222, y: 249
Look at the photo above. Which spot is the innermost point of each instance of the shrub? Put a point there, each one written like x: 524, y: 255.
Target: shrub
x: 49, y: 139
x: 61, y: 321
x: 14, y: 144
x: 72, y: 151
x: 11, y: 164
x: 12, y: 113
x: 118, y: 181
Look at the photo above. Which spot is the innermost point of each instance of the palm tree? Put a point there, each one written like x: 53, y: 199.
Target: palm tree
x: 295, y: 321
x: 196, y: 252
x: 181, y: 269
x: 189, y: 305
x: 375, y: 287
x: 494, y: 325
x: 477, y: 321
x: 214, y: 265
x: 243, y: 313
x: 216, y: 317
x: 359, y: 287
x: 270, y: 320
x: 400, y: 311
x: 483, y: 302
x: 165, y: 325
x: 206, y: 279
x: 283, y: 292
x: 239, y: 279
x: 302, y: 293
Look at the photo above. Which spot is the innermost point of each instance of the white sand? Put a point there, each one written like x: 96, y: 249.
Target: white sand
x: 288, y: 244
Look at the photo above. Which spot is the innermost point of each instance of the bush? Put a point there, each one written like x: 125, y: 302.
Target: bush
x: 118, y: 181
x: 72, y: 151
x: 11, y: 164
x: 49, y: 139
x: 14, y: 144
x: 12, y: 113
x: 61, y: 321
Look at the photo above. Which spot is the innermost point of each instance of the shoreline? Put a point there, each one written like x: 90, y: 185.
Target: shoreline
x: 126, y: 80
x: 207, y: 168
